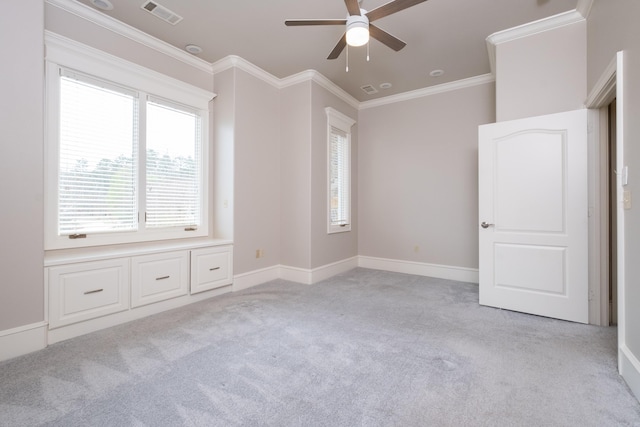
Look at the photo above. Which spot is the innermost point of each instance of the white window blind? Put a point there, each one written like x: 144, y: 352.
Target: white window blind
x: 339, y: 178
x: 338, y: 171
x: 173, y: 166
x: 97, y: 157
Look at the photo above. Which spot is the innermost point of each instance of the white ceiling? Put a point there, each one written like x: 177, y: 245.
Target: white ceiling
x: 440, y: 34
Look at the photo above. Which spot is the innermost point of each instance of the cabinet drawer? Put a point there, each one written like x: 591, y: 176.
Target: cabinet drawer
x: 85, y: 291
x: 159, y: 277
x: 211, y: 268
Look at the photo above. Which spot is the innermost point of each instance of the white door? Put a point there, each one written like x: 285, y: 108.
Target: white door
x: 533, y: 215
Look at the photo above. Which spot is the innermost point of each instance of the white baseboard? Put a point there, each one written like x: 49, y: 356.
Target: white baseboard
x: 460, y: 274
x: 329, y: 270
x: 256, y: 277
x: 22, y: 340
x: 295, y: 274
x: 315, y: 275
x: 630, y: 369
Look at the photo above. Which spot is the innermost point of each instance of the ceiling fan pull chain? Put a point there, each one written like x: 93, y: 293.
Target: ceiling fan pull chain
x: 367, y: 51
x: 347, y: 58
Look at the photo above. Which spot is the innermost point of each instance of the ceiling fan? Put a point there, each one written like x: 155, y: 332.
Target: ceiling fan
x: 358, y: 25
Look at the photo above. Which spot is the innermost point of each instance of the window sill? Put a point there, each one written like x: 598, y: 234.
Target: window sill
x: 67, y: 256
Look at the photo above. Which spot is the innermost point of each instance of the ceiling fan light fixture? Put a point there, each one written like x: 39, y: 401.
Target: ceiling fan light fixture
x: 357, y: 30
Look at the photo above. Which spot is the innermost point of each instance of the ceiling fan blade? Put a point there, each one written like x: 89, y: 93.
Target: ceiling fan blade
x: 300, y: 22
x: 383, y: 37
x: 391, y: 7
x: 352, y: 7
x: 339, y: 47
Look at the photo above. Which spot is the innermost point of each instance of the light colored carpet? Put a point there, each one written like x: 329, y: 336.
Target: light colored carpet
x: 365, y: 348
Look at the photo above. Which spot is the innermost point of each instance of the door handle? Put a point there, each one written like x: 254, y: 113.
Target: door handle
x: 485, y: 225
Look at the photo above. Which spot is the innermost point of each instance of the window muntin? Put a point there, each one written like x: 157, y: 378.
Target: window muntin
x: 338, y: 171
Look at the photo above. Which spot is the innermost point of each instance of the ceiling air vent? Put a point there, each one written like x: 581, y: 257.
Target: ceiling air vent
x: 369, y: 90
x: 161, y: 12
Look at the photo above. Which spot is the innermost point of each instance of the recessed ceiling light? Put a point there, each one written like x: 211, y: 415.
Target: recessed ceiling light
x: 102, y: 4
x: 385, y: 85
x: 192, y: 48
x: 436, y: 73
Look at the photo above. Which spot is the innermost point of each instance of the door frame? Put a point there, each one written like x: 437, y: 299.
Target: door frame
x: 609, y: 86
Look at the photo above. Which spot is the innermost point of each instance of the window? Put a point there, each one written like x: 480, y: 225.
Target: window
x: 126, y: 150
x: 339, y: 171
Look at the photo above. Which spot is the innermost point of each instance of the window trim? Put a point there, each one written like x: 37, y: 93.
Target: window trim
x: 63, y: 53
x: 342, y: 122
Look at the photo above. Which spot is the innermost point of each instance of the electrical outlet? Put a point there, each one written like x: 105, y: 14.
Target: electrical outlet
x: 416, y: 249
x: 259, y: 253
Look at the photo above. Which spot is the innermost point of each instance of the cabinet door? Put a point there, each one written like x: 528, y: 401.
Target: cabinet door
x: 159, y: 277
x: 211, y: 268
x: 87, y: 290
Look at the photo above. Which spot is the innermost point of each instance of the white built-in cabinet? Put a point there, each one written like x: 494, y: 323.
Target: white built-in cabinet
x: 86, y: 294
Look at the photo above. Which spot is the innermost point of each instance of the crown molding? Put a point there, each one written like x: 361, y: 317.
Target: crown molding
x: 335, y: 89
x: 233, y: 61
x: 428, y: 91
x: 584, y: 7
x: 531, y: 28
x: 85, y: 12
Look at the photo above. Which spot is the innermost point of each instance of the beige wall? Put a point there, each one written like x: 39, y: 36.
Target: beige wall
x: 613, y: 26
x: 295, y: 176
x: 256, y: 174
x: 21, y: 164
x: 542, y: 73
x: 418, y: 177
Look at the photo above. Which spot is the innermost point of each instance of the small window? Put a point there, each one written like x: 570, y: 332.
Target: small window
x: 339, y: 171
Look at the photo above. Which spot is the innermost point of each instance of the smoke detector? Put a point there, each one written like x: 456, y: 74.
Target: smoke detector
x: 161, y: 12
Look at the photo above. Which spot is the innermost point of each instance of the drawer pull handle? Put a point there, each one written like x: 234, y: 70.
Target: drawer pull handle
x: 162, y: 278
x: 95, y: 291
x: 214, y: 268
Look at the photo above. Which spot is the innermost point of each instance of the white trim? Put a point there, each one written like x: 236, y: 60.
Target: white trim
x: 22, y: 340
x: 295, y: 274
x: 630, y: 370
x: 603, y: 91
x: 81, y: 328
x: 601, y: 95
x: 120, y: 28
x: 584, y: 8
x: 428, y: 91
x: 255, y: 278
x: 318, y: 274
x: 333, y: 88
x: 529, y: 29
x: 620, y: 214
x: 234, y: 61
x: 460, y: 274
